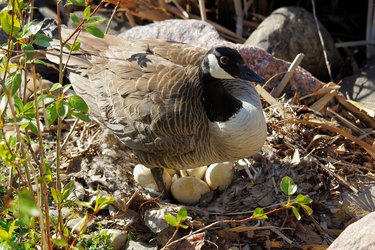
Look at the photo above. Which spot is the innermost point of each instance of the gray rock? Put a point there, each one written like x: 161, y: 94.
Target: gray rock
x: 134, y: 245
x: 361, y: 87
x: 154, y: 220
x: 359, y: 235
x: 79, y: 191
x: 190, y: 31
x: 78, y: 223
x: 118, y: 238
x: 292, y: 30
x: 64, y: 211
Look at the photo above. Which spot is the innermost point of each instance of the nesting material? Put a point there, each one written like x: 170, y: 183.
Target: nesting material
x: 219, y: 175
x: 144, y: 177
x: 189, y: 190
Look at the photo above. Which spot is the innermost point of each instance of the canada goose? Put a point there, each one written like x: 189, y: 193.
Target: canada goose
x: 175, y: 105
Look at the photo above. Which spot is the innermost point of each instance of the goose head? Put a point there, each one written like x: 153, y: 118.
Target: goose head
x: 225, y: 63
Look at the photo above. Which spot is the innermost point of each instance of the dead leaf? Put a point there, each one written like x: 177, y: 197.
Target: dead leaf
x: 194, y: 242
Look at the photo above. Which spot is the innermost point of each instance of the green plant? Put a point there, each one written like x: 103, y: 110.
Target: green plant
x: 176, y: 222
x: 33, y: 179
x: 288, y: 187
x: 99, y: 241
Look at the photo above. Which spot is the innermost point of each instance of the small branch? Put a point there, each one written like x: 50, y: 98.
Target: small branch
x: 202, y: 9
x: 112, y: 16
x: 184, y: 13
x: 328, y: 64
x: 239, y: 14
x: 354, y: 43
x: 288, y: 75
x: 218, y: 223
x: 79, y: 27
x: 369, y: 148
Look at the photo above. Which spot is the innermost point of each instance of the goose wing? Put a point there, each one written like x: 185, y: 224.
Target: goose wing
x: 147, y: 92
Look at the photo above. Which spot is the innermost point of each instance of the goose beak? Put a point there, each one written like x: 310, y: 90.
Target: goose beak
x: 247, y: 74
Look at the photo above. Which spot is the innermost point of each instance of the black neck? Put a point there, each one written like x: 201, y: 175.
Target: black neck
x: 219, y: 104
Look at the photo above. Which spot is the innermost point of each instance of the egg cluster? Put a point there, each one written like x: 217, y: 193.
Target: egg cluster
x: 189, y: 185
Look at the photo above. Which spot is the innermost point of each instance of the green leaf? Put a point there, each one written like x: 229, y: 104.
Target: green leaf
x: 87, y: 11
x: 74, y: 18
x: 62, y: 108
x: 46, y: 99
x: 75, y: 47
x: 24, y: 206
x: 288, y: 186
x: 67, y: 190
x: 103, y: 201
x: 13, y: 82
x: 31, y: 28
x: 32, y: 126
x: 82, y: 117
x: 48, y: 173
x: 181, y: 215
x: 60, y: 242
x: 11, y: 228
x: 3, y: 103
x: 78, y: 103
x: 18, y: 103
x: 66, y: 87
x: 51, y: 114
x: 76, y: 2
x: 302, y: 199
x: 95, y: 20
x: 55, y: 86
x: 184, y: 226
x: 56, y: 195
x: 171, y: 220
x: 95, y: 31
x: 295, y: 212
x: 29, y: 55
x: 308, y: 209
x: 4, y: 234
x: 42, y: 41
x: 35, y: 27
x: 259, y: 214
x: 16, y: 80
x: 83, y: 204
x: 29, y: 106
x: 6, y: 20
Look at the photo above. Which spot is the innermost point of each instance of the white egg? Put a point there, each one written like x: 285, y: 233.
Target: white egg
x: 189, y: 190
x: 219, y: 175
x: 144, y: 177
x: 194, y: 172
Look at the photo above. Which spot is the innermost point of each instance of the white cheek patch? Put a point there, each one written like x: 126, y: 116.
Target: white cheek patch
x: 215, y: 70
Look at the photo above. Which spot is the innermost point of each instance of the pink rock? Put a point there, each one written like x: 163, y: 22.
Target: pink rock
x: 202, y: 34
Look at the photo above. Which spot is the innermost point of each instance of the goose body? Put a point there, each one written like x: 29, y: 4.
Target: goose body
x: 175, y: 105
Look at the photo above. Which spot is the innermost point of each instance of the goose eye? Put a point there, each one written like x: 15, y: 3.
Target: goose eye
x: 224, y: 60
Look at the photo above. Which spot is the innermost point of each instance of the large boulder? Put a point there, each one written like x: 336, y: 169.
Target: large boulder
x: 359, y: 235
x: 292, y: 30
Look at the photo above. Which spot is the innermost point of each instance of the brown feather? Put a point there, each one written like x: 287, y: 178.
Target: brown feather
x: 149, y: 94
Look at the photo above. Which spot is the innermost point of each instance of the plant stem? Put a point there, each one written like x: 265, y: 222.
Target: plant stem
x: 59, y: 122
x: 42, y: 165
x: 218, y: 223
